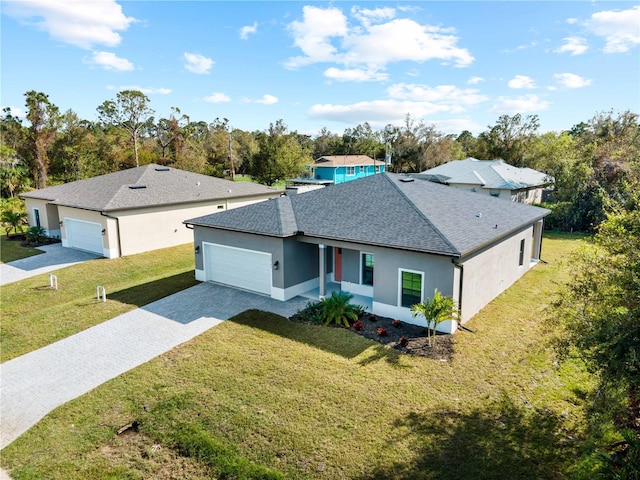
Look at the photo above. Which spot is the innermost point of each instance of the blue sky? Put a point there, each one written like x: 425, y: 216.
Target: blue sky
x: 456, y: 64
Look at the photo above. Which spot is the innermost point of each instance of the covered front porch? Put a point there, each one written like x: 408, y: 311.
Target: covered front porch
x: 330, y: 287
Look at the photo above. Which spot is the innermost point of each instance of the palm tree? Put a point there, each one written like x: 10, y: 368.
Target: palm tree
x: 435, y: 311
x: 337, y: 309
x: 13, y: 220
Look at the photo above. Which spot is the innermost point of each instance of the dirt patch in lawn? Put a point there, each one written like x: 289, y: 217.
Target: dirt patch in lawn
x: 405, y: 337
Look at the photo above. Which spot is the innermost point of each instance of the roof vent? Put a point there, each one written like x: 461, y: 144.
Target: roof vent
x: 406, y: 180
x: 137, y: 187
x: 162, y: 169
x: 479, y: 214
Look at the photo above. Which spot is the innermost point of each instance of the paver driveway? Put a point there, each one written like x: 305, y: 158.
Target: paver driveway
x: 37, y: 382
x: 54, y: 258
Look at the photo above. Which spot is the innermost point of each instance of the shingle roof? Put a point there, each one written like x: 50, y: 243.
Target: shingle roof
x: 387, y: 210
x: 153, y: 185
x: 341, y: 160
x: 485, y: 173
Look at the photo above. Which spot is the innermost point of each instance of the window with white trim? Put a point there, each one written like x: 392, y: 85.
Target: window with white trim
x: 36, y: 217
x: 521, y: 260
x: 410, y: 288
x: 367, y: 269
x: 351, y: 171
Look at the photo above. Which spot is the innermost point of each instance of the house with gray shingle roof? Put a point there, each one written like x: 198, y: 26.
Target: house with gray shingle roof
x: 390, y: 240
x: 491, y: 177
x: 135, y: 210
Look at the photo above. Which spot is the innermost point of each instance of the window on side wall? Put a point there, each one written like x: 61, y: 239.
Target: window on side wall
x: 351, y: 171
x: 521, y: 261
x: 410, y: 288
x: 361, y: 169
x: 367, y: 268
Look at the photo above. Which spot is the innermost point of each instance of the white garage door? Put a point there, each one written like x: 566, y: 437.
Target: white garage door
x: 84, y: 235
x: 238, y: 267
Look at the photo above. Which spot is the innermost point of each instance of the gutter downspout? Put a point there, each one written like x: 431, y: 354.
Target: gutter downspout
x: 461, y: 283
x: 117, y: 228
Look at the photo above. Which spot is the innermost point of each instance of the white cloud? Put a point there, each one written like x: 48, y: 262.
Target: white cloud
x: 571, y: 80
x: 618, y: 28
x: 377, y: 112
x: 445, y: 94
x: 248, y: 30
x: 355, y: 75
x: 374, y: 42
x: 523, y: 104
x: 572, y: 21
x: 217, y: 97
x: 522, y: 81
x: 110, y: 61
x: 475, y: 80
x: 145, y: 90
x: 196, y: 63
x: 312, y: 35
x: 368, y: 16
x: 82, y: 24
x: 573, y: 45
x: 267, y: 100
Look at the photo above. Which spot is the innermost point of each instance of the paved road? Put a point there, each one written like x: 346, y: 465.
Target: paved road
x: 54, y: 258
x: 37, y: 382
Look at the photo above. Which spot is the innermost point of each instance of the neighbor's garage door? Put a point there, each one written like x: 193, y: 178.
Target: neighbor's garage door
x: 238, y: 267
x: 84, y: 235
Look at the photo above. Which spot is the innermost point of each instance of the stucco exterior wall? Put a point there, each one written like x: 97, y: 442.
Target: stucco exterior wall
x: 489, y: 273
x: 110, y: 237
x: 49, y: 219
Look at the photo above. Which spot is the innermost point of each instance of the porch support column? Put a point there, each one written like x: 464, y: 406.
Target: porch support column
x: 322, y: 267
x: 537, y: 240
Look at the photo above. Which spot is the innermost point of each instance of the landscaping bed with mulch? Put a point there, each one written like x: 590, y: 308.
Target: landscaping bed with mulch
x: 405, y: 337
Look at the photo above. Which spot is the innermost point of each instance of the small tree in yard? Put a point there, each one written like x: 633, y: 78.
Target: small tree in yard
x: 13, y: 220
x: 435, y: 311
x: 337, y: 309
x: 36, y: 235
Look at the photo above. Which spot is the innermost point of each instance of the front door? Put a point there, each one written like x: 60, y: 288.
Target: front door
x: 337, y: 270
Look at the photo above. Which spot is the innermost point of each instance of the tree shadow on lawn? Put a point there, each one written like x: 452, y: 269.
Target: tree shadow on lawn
x: 503, y: 440
x: 339, y: 341
x: 145, y: 293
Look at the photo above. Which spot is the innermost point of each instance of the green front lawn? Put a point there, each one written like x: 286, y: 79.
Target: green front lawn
x: 259, y: 395
x: 11, y: 250
x: 33, y: 315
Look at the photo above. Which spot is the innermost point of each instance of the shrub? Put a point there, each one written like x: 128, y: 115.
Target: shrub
x: 359, y: 310
x: 312, y: 313
x: 382, y: 332
x: 396, y: 323
x: 36, y: 235
x: 358, y: 326
x: 404, y: 341
x: 337, y: 309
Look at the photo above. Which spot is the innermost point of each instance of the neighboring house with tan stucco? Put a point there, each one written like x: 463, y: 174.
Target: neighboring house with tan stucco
x: 135, y: 210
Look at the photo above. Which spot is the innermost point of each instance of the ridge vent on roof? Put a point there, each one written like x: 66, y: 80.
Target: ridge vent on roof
x: 162, y: 169
x: 137, y: 187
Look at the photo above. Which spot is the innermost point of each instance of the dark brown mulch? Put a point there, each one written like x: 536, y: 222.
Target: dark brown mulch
x: 417, y: 342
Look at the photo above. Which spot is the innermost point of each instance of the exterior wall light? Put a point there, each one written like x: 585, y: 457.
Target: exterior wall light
x: 197, y: 249
x: 276, y: 265
x: 104, y: 230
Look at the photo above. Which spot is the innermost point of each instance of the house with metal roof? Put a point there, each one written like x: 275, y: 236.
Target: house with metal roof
x: 335, y: 169
x: 134, y: 210
x: 491, y: 177
x: 390, y: 240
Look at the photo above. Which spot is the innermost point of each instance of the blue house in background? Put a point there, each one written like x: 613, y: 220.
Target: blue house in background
x: 334, y: 169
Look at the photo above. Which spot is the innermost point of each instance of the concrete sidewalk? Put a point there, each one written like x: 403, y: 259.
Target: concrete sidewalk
x: 37, y: 382
x: 54, y: 258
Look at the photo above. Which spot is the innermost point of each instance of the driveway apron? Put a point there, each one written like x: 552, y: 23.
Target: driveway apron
x: 54, y: 258
x: 37, y: 382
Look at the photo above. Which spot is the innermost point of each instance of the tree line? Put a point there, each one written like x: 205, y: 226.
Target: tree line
x: 594, y: 165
